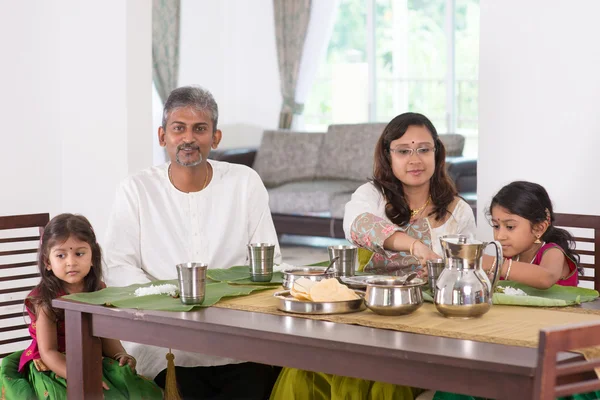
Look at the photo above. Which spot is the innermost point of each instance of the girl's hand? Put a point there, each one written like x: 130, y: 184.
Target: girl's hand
x: 124, y: 358
x: 105, y: 386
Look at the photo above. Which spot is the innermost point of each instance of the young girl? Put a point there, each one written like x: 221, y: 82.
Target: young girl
x: 536, y: 252
x: 69, y: 262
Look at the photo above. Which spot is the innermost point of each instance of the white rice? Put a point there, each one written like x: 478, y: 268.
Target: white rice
x: 169, y: 289
x: 511, y: 291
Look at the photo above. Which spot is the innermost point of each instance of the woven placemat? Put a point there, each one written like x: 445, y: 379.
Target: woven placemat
x: 507, y: 325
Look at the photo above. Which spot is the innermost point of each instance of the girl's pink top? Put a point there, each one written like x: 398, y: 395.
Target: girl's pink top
x: 572, y: 279
x: 32, y: 352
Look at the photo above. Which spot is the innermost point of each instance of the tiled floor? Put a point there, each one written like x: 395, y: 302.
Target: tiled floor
x: 305, y: 250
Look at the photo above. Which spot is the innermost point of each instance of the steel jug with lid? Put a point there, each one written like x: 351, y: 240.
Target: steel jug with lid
x: 463, y: 289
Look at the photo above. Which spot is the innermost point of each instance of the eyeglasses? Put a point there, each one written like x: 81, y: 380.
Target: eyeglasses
x: 408, y: 152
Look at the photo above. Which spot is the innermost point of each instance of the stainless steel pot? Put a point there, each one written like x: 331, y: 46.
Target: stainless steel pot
x: 392, y: 297
x: 313, y: 273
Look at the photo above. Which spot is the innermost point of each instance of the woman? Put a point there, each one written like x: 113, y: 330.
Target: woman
x: 410, y: 203
x: 398, y: 216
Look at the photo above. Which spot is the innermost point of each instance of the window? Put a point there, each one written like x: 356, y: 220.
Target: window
x: 386, y: 57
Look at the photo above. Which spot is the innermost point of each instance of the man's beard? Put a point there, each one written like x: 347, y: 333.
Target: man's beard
x: 192, y: 163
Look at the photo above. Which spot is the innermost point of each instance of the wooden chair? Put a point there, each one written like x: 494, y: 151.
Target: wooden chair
x: 570, y: 376
x: 589, y: 222
x: 19, y: 242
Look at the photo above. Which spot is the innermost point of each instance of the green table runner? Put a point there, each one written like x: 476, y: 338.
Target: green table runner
x: 123, y: 297
x: 555, y: 296
x: 240, y: 275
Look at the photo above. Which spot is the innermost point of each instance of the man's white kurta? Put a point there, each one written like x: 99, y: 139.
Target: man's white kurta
x: 153, y: 227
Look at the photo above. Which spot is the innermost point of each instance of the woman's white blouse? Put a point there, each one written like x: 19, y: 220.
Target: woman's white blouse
x: 368, y: 199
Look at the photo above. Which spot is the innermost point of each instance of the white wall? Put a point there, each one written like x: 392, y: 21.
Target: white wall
x: 539, y: 96
x: 228, y: 47
x: 76, y: 103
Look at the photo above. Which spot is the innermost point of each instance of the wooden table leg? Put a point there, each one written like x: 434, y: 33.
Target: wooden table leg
x: 84, y: 357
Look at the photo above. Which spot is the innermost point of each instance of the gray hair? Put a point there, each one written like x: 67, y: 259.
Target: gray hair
x: 191, y: 96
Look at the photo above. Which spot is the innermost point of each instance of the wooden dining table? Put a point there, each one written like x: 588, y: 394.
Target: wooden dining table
x: 426, y: 361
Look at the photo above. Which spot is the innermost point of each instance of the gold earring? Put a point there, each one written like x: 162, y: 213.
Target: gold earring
x: 537, y: 240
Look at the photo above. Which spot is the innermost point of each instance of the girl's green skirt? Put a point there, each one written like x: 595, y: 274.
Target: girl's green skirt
x: 33, y: 384
x: 296, y: 384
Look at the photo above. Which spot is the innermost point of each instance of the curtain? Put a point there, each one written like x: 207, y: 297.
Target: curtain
x: 165, y: 45
x: 320, y: 27
x: 291, y: 24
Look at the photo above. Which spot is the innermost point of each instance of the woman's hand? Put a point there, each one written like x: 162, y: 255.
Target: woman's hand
x: 124, y: 358
x: 423, y: 253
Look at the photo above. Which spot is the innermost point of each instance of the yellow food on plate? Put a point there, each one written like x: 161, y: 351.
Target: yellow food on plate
x: 300, y: 295
x: 324, y: 290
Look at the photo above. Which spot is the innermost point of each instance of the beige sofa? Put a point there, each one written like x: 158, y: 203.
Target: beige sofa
x: 311, y: 176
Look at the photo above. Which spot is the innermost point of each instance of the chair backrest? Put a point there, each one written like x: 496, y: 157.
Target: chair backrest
x: 586, y: 230
x: 554, y: 379
x: 19, y: 242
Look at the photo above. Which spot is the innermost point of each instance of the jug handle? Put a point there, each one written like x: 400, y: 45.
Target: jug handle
x: 499, y: 261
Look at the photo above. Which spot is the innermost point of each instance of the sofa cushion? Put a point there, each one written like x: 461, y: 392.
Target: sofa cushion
x: 285, y: 156
x: 347, y: 151
x: 309, y: 196
x: 338, y: 204
x: 454, y: 144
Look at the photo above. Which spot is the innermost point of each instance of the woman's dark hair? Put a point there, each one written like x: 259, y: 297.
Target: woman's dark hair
x: 532, y: 202
x: 441, y: 188
x: 58, y: 230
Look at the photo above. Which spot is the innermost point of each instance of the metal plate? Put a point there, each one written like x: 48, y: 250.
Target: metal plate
x: 286, y: 302
x: 360, y: 281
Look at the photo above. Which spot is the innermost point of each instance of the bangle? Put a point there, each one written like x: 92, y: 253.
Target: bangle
x: 489, y: 271
x: 412, y: 247
x: 508, y: 270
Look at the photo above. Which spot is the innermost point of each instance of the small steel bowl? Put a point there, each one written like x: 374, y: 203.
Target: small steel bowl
x: 392, y: 297
x: 313, y: 273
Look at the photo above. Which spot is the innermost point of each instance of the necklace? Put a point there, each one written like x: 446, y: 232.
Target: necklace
x: 415, y: 212
x: 205, y: 177
x: 534, y: 254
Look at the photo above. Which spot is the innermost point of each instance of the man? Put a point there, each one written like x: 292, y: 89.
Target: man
x: 190, y: 209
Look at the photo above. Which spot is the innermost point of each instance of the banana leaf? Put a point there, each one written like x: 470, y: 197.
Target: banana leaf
x: 240, y: 275
x: 555, y: 296
x: 123, y: 297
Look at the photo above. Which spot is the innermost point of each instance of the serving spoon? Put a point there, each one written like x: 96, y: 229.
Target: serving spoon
x: 409, y: 278
x: 330, y: 265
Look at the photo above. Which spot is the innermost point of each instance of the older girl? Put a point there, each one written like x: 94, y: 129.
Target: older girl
x: 536, y: 252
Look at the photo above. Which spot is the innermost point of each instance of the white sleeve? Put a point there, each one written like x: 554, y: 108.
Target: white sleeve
x: 122, y: 250
x: 366, y: 199
x: 260, y: 222
x: 465, y: 219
